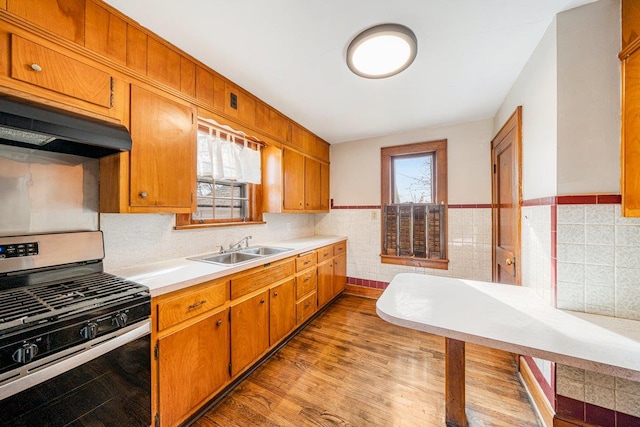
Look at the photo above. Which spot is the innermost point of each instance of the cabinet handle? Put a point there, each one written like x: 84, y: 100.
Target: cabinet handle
x: 219, y: 323
x: 275, y: 294
x: 36, y: 68
x: 143, y: 194
x: 300, y: 203
x: 197, y: 304
x: 307, y: 304
x: 306, y: 262
x: 262, y: 301
x: 306, y: 279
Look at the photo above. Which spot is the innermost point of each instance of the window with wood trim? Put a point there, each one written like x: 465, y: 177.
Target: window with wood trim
x: 228, y: 189
x: 414, y: 204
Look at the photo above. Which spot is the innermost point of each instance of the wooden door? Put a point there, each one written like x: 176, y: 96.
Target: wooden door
x: 249, y: 331
x: 282, y: 316
x: 192, y: 363
x: 325, y: 282
x: 312, y: 184
x: 339, y: 273
x: 163, y: 155
x: 293, y: 179
x: 506, y: 199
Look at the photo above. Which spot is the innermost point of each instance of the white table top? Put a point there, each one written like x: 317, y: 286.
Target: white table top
x: 175, y: 274
x: 512, y: 318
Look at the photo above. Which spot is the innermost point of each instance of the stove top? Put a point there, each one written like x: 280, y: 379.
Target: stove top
x: 56, y: 300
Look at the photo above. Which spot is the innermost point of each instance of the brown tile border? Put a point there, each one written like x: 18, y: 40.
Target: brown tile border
x: 575, y: 199
x: 453, y: 206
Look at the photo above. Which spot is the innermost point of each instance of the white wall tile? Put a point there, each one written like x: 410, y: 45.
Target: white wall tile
x: 599, y: 255
x: 600, y: 214
x: 571, y: 214
x: 600, y: 234
x: 571, y: 233
x: 572, y: 253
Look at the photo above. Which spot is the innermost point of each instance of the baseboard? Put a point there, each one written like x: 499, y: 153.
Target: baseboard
x: 541, y: 404
x: 362, y: 291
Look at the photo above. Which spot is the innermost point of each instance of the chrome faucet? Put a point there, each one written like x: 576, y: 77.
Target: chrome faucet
x: 238, y: 245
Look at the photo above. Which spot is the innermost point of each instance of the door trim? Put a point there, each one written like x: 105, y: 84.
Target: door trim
x: 514, y: 122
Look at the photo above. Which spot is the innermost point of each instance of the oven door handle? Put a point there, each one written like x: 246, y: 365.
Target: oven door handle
x: 58, y: 363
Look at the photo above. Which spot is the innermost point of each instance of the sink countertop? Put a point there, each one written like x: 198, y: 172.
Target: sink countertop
x: 174, y: 274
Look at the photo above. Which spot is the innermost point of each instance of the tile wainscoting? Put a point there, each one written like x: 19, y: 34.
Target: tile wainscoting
x: 469, y: 244
x: 580, y: 254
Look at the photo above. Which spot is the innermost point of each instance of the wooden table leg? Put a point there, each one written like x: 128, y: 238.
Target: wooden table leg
x: 454, y: 383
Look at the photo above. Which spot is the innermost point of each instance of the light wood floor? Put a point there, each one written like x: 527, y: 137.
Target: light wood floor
x: 351, y: 368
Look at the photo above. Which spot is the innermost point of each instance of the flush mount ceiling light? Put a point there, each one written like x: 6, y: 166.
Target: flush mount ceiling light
x: 382, y: 51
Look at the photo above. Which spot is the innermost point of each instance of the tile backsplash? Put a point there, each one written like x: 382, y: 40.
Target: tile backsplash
x: 133, y: 239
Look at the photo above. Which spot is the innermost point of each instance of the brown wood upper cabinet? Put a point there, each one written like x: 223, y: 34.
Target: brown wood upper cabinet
x: 62, y: 17
x: 630, y: 158
x: 240, y: 105
x: 51, y: 74
x: 294, y: 182
x: 158, y: 175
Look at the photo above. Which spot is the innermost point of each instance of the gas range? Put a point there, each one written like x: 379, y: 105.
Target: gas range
x: 56, y: 303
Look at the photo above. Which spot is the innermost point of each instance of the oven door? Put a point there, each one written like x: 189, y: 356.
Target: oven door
x: 106, y: 385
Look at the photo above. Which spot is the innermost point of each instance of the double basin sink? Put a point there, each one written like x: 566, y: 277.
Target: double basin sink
x: 240, y: 256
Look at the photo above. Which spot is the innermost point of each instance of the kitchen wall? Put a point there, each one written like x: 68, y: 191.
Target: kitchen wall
x: 578, y: 251
x: 355, y: 191
x: 134, y: 239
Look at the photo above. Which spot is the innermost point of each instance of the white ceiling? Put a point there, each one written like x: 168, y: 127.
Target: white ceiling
x: 291, y: 54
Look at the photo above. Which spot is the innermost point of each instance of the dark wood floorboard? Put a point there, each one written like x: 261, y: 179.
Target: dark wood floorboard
x: 351, y: 368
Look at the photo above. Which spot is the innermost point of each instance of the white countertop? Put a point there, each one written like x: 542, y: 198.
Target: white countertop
x: 512, y: 318
x: 174, y: 274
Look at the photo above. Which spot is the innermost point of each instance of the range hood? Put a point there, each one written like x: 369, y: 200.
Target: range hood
x: 42, y: 128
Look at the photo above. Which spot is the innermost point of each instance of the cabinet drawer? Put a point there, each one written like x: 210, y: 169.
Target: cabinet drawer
x: 306, y: 282
x: 259, y: 277
x: 339, y: 248
x: 305, y: 260
x: 186, y: 306
x: 59, y: 73
x: 325, y: 253
x: 305, y: 308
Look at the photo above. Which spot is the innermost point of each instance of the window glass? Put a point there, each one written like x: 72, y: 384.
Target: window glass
x: 413, y: 179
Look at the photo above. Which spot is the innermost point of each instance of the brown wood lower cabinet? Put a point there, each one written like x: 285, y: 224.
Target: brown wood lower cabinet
x: 192, y: 364
x: 282, y: 311
x: 339, y: 273
x: 325, y: 282
x: 209, y: 334
x: 249, y: 331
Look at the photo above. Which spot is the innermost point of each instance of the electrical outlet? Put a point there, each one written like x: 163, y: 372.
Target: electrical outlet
x: 374, y: 215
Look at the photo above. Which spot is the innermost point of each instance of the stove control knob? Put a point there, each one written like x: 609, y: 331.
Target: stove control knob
x: 26, y: 353
x: 120, y: 320
x: 89, y: 331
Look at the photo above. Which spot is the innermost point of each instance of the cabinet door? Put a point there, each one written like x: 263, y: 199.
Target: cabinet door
x: 163, y: 152
x: 339, y: 273
x: 311, y: 184
x: 38, y: 65
x: 282, y: 316
x: 325, y: 282
x: 249, y: 331
x: 193, y: 363
x: 293, y: 179
x: 324, y: 187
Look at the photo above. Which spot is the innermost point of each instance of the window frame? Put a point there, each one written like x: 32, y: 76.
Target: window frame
x: 439, y: 149
x: 254, y: 191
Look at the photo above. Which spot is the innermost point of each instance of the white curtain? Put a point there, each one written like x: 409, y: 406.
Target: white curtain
x: 223, y: 159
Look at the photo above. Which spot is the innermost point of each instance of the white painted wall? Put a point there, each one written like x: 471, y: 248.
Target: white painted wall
x: 355, y: 166
x: 536, y: 90
x: 589, y: 99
